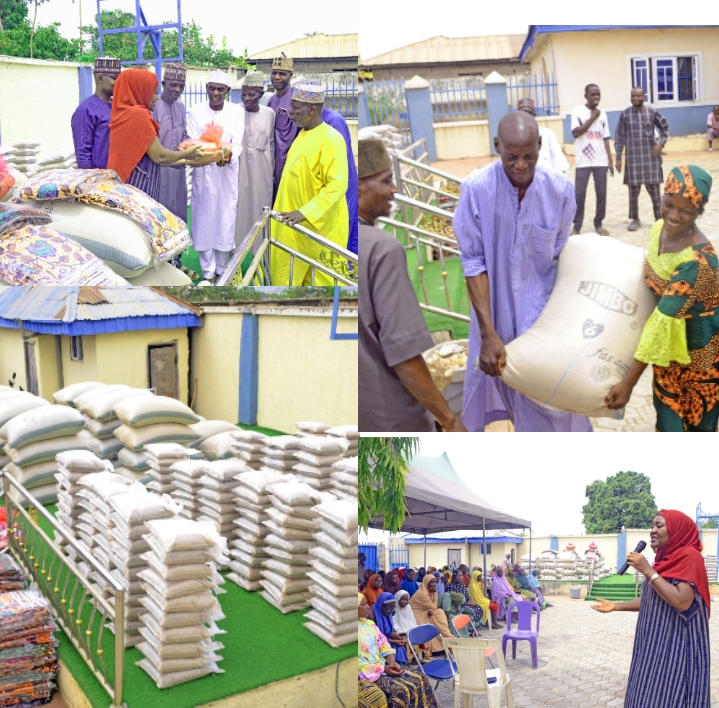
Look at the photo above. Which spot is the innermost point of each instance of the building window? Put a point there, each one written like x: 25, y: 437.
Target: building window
x: 667, y: 79
x: 489, y: 548
x: 76, y: 348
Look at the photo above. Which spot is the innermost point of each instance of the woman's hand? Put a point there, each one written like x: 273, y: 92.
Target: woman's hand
x: 604, y: 606
x: 639, y: 563
x: 393, y: 669
x: 429, y: 613
x: 619, y: 395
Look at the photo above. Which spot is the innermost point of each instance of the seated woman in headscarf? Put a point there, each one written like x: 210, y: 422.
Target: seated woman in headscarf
x: 420, y: 575
x: 459, y: 587
x: 535, y: 594
x: 424, y: 606
x: 136, y: 153
x: 533, y: 580
x: 452, y: 604
x: 502, y: 593
x: 441, y: 587
x: 409, y: 584
x: 465, y: 574
x: 403, y: 620
x: 400, y: 574
x: 476, y: 592
x: 383, y: 609
x: 514, y: 583
x: 373, y: 589
x: 391, y: 582
x: 368, y: 573
x: 381, y: 680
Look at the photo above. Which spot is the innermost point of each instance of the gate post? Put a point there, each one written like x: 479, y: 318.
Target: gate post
x: 495, y: 87
x: 363, y: 118
x: 421, y: 120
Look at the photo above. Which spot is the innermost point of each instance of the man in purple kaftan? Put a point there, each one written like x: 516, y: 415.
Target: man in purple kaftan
x: 281, y: 102
x: 171, y: 115
x: 91, y: 120
x: 511, y: 223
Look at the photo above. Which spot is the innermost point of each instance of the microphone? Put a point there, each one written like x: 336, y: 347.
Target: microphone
x: 640, y: 547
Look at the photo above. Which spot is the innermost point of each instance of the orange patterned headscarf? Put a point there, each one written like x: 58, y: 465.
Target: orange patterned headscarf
x: 692, y: 183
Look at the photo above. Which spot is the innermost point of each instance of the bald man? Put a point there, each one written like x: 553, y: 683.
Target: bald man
x: 511, y: 223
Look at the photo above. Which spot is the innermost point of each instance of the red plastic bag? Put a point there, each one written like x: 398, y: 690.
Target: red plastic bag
x: 212, y: 134
x: 7, y: 181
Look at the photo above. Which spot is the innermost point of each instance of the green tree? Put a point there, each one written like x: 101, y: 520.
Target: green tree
x: 12, y: 14
x: 624, y: 499
x: 35, y: 4
x: 709, y: 524
x: 48, y: 43
x: 382, y: 481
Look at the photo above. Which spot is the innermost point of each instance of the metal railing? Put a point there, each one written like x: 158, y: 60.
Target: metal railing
x: 387, y: 105
x: 78, y: 605
x: 458, y: 99
x: 541, y: 89
x: 335, y: 262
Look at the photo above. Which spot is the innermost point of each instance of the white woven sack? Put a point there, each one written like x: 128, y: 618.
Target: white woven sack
x: 47, y: 449
x: 114, y: 238
x: 66, y: 396
x: 138, y: 438
x: 208, y: 428
x: 163, y: 274
x: 217, y: 447
x: 41, y: 424
x: 15, y: 405
x: 584, y: 341
x: 148, y: 410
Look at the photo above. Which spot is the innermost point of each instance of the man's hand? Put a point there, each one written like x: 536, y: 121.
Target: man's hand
x: 291, y: 218
x: 619, y: 396
x: 618, y: 165
x: 493, y: 357
x: 657, y: 150
x: 596, y: 112
x: 455, y: 427
x: 610, y: 167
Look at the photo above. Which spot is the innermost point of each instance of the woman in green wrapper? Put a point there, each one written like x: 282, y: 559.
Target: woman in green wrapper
x: 451, y: 603
x: 681, y: 338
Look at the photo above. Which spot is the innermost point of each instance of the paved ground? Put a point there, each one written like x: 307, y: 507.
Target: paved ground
x: 584, y: 660
x: 640, y: 415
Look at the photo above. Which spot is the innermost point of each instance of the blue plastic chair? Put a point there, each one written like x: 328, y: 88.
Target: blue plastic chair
x: 524, y: 630
x: 437, y: 669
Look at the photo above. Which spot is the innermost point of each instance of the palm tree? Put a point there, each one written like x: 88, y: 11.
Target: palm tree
x: 34, y: 21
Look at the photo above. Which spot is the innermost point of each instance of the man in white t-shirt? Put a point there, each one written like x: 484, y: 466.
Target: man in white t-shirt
x: 550, y: 154
x: 590, y: 129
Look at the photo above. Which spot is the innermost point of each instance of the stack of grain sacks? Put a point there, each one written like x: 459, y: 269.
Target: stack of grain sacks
x: 186, y: 475
x: 32, y: 440
x: 279, y: 452
x: 25, y: 156
x: 249, y: 446
x: 216, y: 494
x: 349, y: 433
x: 315, y: 457
x: 291, y: 523
x: 180, y: 601
x: 248, y: 549
x: 61, y: 159
x: 12, y: 403
x: 161, y: 457
x: 344, y: 478
x: 332, y: 593
x: 209, y: 428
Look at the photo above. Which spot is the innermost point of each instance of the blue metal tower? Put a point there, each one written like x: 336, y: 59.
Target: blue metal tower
x: 144, y: 32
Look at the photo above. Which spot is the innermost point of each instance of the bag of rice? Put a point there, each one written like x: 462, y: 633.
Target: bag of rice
x: 33, y: 475
x: 207, y: 428
x: 151, y: 410
x: 101, y: 404
x: 40, y: 424
x: 45, y: 450
x: 137, y: 439
x: 18, y: 402
x: 217, y: 447
x: 133, y: 460
x: 323, y: 446
x: 351, y: 432
x: 310, y: 426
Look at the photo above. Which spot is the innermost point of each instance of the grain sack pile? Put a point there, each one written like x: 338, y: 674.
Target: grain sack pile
x: 388, y: 134
x: 249, y: 446
x: 186, y: 475
x: 344, y: 479
x: 32, y: 440
x: 248, y: 549
x: 180, y: 601
x: 116, y: 222
x: 28, y: 649
x: 349, y: 433
x: 216, y: 494
x: 218, y: 446
x: 25, y: 156
x: 332, y: 595
x: 315, y: 457
x: 161, y: 457
x: 279, y: 453
x: 61, y: 159
x: 584, y: 341
x: 207, y: 428
x: 12, y: 403
x: 291, y: 523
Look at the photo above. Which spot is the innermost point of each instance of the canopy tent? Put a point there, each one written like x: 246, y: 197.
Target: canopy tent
x: 438, y: 500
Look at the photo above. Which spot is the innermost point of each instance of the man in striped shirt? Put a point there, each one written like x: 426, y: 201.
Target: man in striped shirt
x: 511, y: 223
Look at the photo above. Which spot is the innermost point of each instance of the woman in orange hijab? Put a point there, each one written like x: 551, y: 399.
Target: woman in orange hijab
x: 136, y: 153
x: 373, y: 589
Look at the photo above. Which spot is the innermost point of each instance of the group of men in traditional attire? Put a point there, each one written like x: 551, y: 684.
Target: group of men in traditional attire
x: 287, y: 152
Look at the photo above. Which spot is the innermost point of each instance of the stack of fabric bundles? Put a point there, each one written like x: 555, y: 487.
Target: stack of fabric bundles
x: 128, y: 514
x: 332, y: 594
x: 216, y: 494
x: 33, y: 439
x: 349, y: 433
x: 180, y: 602
x: 248, y: 548
x: 11, y: 574
x: 98, y: 406
x: 28, y: 649
x: 186, y: 476
x: 73, y: 465
x: 279, y: 452
x: 315, y: 458
x: 291, y: 524
x: 344, y: 478
x: 249, y: 446
x: 161, y: 457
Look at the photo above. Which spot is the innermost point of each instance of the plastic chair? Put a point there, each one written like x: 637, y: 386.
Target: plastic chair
x: 524, y: 628
x: 473, y: 678
x: 462, y: 621
x: 437, y: 669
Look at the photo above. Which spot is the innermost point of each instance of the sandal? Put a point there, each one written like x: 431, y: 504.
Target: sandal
x: 601, y: 231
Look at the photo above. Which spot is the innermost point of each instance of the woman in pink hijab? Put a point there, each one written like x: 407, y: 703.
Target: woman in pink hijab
x: 501, y: 591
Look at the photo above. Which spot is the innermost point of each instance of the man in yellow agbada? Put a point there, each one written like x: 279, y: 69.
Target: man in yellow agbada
x: 312, y: 189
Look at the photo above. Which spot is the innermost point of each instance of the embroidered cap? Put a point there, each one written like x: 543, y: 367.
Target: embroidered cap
x: 308, y: 93
x: 106, y: 65
x: 283, y: 63
x: 174, y: 72
x: 254, y: 78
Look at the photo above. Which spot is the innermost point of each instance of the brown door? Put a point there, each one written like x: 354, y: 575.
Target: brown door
x: 454, y: 557
x: 163, y: 372
x: 30, y: 367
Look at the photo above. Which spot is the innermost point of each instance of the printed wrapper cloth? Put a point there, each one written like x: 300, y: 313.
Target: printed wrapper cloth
x: 14, y: 216
x: 167, y: 234
x: 38, y: 255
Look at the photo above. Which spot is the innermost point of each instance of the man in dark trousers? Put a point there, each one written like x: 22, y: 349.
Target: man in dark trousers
x: 398, y: 394
x: 635, y: 133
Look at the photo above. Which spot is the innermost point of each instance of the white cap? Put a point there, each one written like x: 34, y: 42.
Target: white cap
x: 217, y: 76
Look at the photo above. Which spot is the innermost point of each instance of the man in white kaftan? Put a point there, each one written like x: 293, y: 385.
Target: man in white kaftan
x: 215, y: 187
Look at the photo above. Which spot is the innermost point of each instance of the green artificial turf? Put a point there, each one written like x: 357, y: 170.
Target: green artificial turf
x: 261, y: 646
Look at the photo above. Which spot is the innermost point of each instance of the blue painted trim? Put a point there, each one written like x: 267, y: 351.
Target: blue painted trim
x: 534, y: 30
x: 554, y: 543
x: 497, y: 108
x: 621, y: 549
x: 249, y: 370
x: 421, y: 120
x: 121, y: 324
x: 334, y: 335
x: 470, y: 539
x: 236, y: 96
x: 364, y: 121
x: 85, y: 82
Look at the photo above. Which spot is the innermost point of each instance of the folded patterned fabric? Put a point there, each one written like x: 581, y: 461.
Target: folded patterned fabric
x: 63, y: 184
x: 39, y: 255
x: 13, y: 216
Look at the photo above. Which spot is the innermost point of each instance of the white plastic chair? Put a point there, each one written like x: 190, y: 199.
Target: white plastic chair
x: 472, y: 677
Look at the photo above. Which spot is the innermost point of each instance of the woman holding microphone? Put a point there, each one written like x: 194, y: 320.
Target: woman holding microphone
x: 670, y: 663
